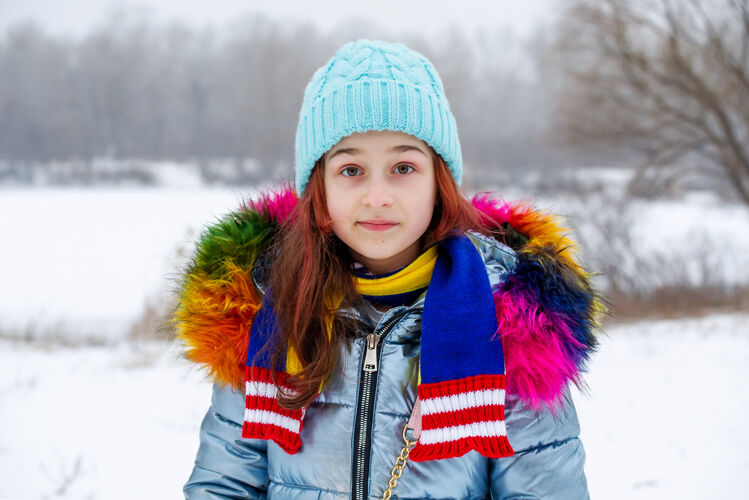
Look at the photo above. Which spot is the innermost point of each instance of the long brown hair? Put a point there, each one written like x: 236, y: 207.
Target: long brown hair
x: 313, y: 264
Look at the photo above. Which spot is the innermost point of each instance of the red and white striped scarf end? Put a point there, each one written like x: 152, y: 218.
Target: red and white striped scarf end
x: 458, y: 416
x: 264, y: 418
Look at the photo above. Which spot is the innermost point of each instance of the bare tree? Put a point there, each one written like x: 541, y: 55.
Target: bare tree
x: 668, y: 78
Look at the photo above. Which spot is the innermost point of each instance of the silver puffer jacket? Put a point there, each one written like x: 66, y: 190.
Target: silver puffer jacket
x: 548, y: 461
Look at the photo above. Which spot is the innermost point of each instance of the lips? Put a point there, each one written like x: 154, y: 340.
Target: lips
x: 377, y: 224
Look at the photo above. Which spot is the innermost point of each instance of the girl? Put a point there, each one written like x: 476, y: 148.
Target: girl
x: 375, y: 325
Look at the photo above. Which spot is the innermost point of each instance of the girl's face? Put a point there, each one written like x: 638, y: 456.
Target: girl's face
x: 381, y: 190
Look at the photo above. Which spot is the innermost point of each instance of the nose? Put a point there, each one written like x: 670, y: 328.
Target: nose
x: 378, y: 193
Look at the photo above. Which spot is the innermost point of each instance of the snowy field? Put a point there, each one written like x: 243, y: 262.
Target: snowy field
x: 665, y: 417
x: 666, y: 413
x: 83, y: 262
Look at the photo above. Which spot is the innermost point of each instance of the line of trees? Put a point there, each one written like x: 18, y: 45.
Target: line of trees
x: 131, y: 89
x: 134, y: 90
x: 652, y: 83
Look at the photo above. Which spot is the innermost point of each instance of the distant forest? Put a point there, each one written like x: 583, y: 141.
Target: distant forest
x: 131, y: 89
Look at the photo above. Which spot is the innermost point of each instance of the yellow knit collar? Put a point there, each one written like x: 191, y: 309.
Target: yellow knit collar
x: 414, y: 276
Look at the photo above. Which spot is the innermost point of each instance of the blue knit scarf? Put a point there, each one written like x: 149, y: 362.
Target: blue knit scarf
x: 462, y: 382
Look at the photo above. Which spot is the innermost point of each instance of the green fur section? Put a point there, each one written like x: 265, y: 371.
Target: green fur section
x: 237, y: 239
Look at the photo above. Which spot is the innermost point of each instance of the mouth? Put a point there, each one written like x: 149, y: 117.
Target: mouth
x: 377, y: 224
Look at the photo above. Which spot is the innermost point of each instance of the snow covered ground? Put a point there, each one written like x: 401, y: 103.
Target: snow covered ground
x: 665, y: 417
x: 666, y: 413
x: 115, y: 422
x: 83, y: 262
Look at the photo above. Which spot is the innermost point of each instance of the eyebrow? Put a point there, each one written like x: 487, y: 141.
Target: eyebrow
x: 395, y: 149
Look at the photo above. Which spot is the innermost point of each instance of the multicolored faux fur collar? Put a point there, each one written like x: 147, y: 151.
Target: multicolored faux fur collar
x: 546, y: 307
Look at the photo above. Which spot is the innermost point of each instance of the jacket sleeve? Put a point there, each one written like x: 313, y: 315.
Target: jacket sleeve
x: 549, y: 456
x: 227, y: 465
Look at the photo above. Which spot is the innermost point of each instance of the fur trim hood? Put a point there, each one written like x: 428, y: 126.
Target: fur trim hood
x: 547, y: 308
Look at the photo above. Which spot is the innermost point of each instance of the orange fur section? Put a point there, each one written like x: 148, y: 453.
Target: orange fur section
x: 214, y: 320
x: 543, y: 230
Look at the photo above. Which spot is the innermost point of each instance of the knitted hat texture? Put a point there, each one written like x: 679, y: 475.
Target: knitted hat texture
x: 374, y: 85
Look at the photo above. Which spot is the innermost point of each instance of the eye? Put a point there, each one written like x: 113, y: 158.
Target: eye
x: 404, y: 169
x: 350, y: 171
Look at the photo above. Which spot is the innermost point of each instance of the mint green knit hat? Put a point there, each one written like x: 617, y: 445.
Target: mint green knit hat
x: 374, y: 85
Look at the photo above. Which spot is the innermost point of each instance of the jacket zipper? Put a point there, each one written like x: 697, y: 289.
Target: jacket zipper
x: 365, y: 407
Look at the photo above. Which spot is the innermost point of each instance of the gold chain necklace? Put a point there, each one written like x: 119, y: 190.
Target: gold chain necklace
x: 400, y: 463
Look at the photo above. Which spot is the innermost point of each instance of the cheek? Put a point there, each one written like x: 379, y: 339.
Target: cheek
x: 426, y: 215
x: 336, y: 209
x: 422, y: 204
x: 331, y: 199
x: 340, y: 213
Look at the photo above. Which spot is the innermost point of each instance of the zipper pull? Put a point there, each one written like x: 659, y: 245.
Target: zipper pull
x: 370, y: 360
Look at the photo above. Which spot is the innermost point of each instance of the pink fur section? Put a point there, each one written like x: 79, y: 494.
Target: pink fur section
x: 533, y: 341
x: 278, y: 204
x: 497, y: 211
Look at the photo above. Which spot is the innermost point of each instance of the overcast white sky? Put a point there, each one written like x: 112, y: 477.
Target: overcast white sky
x: 77, y: 17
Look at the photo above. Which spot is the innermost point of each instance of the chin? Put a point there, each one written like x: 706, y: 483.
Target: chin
x: 379, y: 252
x: 385, y: 254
